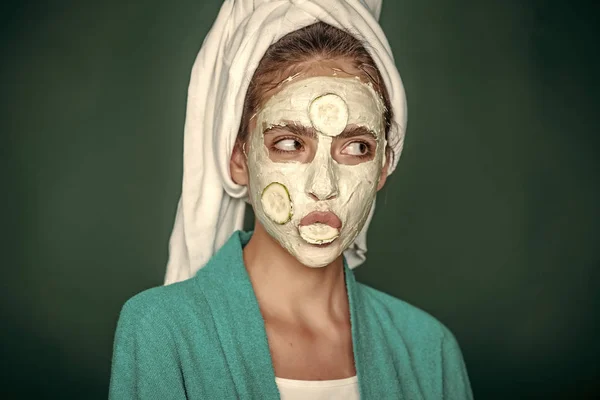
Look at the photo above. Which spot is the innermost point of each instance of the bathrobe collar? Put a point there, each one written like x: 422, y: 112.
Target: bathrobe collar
x: 243, y: 338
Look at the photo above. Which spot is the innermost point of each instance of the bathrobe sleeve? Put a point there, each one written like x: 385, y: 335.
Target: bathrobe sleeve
x: 456, y: 385
x: 145, y: 362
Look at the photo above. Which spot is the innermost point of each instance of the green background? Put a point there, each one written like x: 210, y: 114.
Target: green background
x: 490, y: 223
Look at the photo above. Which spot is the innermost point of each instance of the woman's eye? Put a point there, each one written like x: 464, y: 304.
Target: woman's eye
x: 356, y: 149
x: 288, y: 145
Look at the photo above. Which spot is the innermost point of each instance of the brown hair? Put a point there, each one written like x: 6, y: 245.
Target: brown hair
x: 315, y: 42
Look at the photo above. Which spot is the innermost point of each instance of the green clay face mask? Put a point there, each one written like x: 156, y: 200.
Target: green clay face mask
x: 316, y: 209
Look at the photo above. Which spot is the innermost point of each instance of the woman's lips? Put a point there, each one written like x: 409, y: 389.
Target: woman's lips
x: 327, y: 218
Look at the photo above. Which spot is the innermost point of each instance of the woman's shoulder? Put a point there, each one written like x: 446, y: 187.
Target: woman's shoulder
x: 409, y: 319
x: 157, y: 304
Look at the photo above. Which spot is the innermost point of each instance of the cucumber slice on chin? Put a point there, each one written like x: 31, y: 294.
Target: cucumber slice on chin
x: 318, y: 233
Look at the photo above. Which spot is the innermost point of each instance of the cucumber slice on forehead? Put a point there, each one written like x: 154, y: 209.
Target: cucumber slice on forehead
x: 318, y: 233
x: 329, y: 114
x: 276, y: 203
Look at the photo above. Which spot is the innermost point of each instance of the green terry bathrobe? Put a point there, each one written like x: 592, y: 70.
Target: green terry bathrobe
x: 204, y: 338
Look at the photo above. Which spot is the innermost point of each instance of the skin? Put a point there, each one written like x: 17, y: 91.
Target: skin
x: 306, y: 310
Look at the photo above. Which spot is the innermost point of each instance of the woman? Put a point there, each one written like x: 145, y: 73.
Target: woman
x: 288, y: 110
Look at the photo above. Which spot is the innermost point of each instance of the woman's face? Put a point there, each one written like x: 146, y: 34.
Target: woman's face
x: 316, y: 157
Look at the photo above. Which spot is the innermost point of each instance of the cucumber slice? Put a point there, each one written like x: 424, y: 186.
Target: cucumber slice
x: 318, y: 233
x: 276, y: 202
x: 329, y: 114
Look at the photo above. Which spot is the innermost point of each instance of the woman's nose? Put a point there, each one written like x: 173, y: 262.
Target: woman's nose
x: 322, y: 182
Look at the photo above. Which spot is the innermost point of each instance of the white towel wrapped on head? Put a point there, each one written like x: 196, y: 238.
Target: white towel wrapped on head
x: 212, y: 206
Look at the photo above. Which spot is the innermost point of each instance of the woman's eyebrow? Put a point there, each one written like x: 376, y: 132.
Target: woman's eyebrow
x: 296, y: 129
x: 354, y: 131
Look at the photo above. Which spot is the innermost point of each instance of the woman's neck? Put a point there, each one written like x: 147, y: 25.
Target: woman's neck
x: 287, y: 289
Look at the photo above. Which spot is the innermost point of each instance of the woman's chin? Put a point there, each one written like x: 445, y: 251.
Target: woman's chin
x: 317, y: 255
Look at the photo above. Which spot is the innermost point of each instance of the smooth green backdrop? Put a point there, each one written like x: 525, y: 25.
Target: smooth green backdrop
x: 490, y: 223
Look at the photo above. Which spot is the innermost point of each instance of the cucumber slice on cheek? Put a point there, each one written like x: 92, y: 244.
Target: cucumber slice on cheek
x: 276, y: 202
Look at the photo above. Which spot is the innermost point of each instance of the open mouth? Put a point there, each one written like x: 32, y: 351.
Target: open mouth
x: 320, y: 228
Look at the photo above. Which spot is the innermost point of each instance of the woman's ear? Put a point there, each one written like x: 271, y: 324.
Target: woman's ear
x: 238, y: 168
x: 384, y: 170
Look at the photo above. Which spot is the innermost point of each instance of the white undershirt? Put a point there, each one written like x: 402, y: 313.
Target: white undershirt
x: 346, y: 389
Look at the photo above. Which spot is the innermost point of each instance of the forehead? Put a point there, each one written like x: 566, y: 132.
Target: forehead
x: 337, y: 67
x: 326, y: 103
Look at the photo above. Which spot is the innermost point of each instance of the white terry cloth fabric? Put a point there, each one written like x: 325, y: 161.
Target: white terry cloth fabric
x: 212, y: 206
